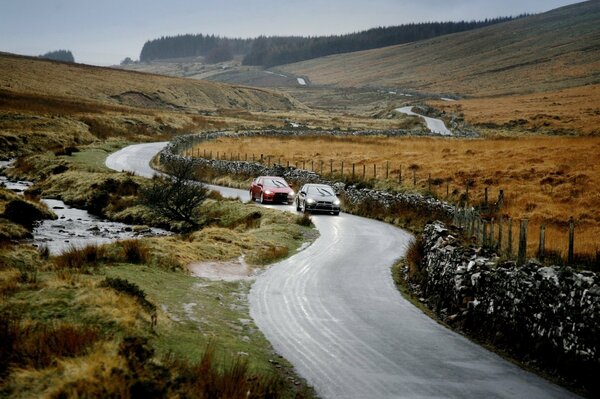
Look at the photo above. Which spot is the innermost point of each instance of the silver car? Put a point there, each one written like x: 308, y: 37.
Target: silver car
x: 317, y: 198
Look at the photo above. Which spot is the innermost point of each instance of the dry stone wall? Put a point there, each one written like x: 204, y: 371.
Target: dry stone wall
x: 351, y: 193
x: 545, y: 314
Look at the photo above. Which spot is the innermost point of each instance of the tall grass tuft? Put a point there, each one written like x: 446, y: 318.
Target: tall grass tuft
x: 135, y: 252
x: 271, y: 254
x: 414, y: 258
x: 141, y: 375
x: 304, y: 220
x: 79, y: 258
x: 38, y: 345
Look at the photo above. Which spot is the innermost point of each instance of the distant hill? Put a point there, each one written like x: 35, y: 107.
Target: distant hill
x: 277, y: 50
x: 59, y: 55
x: 554, y: 50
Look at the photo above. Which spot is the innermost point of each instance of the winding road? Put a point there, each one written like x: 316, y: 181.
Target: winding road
x: 333, y: 311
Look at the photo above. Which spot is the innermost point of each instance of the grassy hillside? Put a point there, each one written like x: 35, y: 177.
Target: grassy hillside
x: 113, y: 86
x: 549, y: 51
x: 52, y: 105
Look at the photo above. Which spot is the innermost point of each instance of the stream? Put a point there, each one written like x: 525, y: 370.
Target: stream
x: 76, y: 227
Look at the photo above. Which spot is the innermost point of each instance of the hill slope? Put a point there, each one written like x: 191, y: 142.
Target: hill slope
x: 50, y: 105
x: 113, y: 86
x: 554, y: 50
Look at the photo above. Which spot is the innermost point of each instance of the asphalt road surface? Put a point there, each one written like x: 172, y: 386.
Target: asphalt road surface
x: 333, y: 311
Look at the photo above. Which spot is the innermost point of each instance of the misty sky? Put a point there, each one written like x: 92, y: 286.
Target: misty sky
x: 103, y: 32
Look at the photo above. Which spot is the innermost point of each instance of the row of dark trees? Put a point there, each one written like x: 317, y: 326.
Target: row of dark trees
x: 59, y: 55
x: 269, y: 51
x: 182, y: 46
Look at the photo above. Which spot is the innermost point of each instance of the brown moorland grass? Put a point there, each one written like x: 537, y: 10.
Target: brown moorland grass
x: 569, y: 111
x: 545, y: 179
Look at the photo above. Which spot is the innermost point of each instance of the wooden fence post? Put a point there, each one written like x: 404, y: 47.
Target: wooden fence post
x: 542, y: 244
x: 510, y: 238
x: 522, y: 242
x: 500, y: 221
x: 342, y: 169
x: 447, y: 190
x: 288, y: 164
x: 353, y: 170
x: 400, y: 175
x: 364, y: 170
x: 312, y: 165
x: 414, y: 177
x: 304, y: 164
x: 387, y: 169
x: 485, y: 198
x: 374, y: 171
x: 331, y: 167
x: 491, y: 238
x: 571, y: 253
x: 485, y: 234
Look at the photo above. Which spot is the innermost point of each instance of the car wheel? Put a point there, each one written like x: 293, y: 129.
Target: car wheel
x: 251, y: 196
x: 336, y: 213
x: 262, y: 198
x: 298, y: 206
x: 304, y: 207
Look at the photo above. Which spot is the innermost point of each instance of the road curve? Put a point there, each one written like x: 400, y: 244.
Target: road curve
x: 433, y: 124
x: 332, y: 310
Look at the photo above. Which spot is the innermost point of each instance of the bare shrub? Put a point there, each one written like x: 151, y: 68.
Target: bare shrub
x: 176, y: 196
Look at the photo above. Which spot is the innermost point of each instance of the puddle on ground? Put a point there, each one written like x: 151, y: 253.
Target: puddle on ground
x: 234, y: 270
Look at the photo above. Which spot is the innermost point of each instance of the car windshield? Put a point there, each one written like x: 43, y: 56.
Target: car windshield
x: 323, y: 191
x: 277, y: 183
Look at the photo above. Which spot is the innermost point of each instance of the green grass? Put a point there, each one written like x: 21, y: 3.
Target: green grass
x: 194, y: 312
x: 92, y: 159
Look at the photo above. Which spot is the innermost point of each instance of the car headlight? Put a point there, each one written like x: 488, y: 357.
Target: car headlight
x: 291, y: 193
x: 268, y: 192
x: 310, y: 201
x: 336, y: 202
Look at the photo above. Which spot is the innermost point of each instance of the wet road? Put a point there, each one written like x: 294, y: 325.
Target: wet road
x: 333, y: 311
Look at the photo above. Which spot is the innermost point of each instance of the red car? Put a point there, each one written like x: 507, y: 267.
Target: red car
x: 271, y: 189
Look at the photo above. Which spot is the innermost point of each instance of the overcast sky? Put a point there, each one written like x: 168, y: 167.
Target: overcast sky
x: 103, y: 32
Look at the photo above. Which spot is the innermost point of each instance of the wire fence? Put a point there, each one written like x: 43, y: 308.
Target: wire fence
x: 486, y: 223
